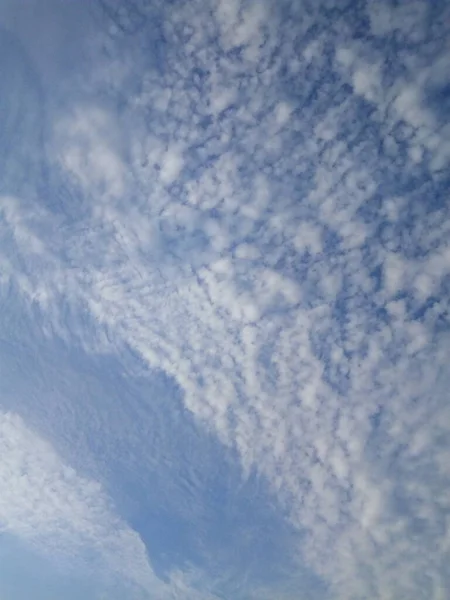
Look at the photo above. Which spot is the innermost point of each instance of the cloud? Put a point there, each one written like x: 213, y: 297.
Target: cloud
x: 405, y: 105
x: 86, y: 151
x: 257, y: 230
x: 46, y: 503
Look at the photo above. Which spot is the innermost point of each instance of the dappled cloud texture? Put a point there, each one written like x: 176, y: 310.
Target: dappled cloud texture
x: 251, y: 200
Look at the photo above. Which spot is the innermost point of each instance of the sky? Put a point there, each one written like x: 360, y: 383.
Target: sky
x: 224, y: 299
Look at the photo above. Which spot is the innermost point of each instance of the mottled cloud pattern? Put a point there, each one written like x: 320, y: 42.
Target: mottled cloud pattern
x: 252, y: 198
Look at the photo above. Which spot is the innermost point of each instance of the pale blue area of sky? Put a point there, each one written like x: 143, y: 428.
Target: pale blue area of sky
x: 25, y: 574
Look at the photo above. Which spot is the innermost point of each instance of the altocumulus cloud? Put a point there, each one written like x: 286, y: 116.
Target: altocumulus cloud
x: 262, y: 214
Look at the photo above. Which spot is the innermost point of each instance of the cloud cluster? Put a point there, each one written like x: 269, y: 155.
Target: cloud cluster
x: 265, y: 220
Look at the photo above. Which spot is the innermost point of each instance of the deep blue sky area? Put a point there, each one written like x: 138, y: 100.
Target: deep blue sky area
x: 224, y: 300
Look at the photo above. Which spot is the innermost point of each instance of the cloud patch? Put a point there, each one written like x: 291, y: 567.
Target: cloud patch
x: 49, y: 506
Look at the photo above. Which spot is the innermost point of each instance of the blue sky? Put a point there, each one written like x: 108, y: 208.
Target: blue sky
x: 224, y: 292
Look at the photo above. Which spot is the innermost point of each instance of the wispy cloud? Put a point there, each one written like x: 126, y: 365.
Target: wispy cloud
x: 265, y: 220
x: 48, y: 505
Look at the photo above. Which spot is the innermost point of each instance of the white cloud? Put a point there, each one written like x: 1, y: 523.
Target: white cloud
x: 86, y: 142
x: 49, y: 506
x: 410, y: 19
x: 308, y: 238
x: 403, y: 103
x: 260, y: 286
x: 171, y: 165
